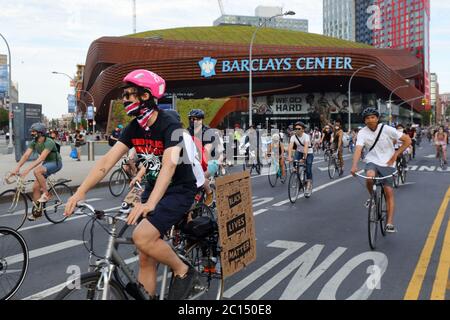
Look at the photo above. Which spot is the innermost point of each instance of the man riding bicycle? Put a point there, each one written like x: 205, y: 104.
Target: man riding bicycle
x: 48, y: 163
x: 171, y: 185
x: 380, y: 160
x: 207, y: 141
x: 338, y: 144
x: 304, y: 153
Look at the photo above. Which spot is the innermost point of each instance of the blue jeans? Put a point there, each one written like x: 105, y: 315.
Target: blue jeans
x: 309, y: 163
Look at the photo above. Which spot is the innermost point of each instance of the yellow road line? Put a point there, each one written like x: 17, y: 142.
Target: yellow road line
x: 415, y: 284
x: 440, y: 282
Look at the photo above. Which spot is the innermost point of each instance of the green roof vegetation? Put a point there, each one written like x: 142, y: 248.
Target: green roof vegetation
x: 243, y: 34
x: 209, y: 106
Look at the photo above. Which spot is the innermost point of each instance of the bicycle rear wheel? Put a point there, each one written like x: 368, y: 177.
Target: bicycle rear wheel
x: 294, y: 186
x: 87, y: 289
x: 373, y: 222
x: 204, y: 256
x: 117, y: 182
x: 14, y: 261
x: 332, y: 167
x: 273, y: 174
x: 54, y: 208
x: 382, y: 212
x: 13, y: 213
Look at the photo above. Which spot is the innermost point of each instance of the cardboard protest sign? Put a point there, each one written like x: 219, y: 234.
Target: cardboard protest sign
x: 236, y: 222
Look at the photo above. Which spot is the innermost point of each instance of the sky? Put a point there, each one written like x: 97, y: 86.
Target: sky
x: 48, y: 35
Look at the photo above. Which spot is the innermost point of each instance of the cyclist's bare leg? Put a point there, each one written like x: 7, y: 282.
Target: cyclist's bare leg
x: 36, y: 191
x: 370, y: 182
x: 147, y: 239
x: 283, y: 169
x: 341, y: 158
x: 147, y: 272
x: 39, y: 174
x: 390, y: 204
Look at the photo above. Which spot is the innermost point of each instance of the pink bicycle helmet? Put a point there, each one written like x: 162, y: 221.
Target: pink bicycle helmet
x: 147, y: 80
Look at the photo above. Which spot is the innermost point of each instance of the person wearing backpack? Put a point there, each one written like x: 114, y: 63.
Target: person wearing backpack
x: 48, y: 163
x: 380, y: 159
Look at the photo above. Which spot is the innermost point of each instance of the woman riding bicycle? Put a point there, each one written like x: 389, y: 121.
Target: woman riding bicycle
x: 276, y: 148
x: 48, y: 163
x: 440, y: 140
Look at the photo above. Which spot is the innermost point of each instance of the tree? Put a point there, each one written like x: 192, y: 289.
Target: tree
x: 4, y: 117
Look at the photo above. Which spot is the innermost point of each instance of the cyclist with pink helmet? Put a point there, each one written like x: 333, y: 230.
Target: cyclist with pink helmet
x: 171, y: 184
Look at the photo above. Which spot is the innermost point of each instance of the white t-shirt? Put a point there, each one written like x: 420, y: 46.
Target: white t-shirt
x: 384, y: 149
x: 303, y: 139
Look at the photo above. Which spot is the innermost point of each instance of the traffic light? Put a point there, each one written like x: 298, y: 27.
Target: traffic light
x: 424, y: 102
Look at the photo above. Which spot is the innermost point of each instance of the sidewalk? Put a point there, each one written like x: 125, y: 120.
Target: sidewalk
x: 73, y: 170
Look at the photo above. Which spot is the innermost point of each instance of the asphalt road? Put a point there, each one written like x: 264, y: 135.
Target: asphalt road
x: 315, y: 249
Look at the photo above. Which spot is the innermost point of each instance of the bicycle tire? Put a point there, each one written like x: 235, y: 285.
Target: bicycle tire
x: 6, y: 208
x: 396, y: 178
x: 332, y: 167
x: 90, y: 280
x: 117, y: 182
x: 382, y: 212
x: 9, y: 259
x: 403, y: 175
x: 372, y: 222
x: 294, y: 187
x: 272, y: 175
x: 53, y: 209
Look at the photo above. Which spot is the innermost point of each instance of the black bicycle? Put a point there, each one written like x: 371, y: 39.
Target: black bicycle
x: 401, y: 167
x: 14, y: 259
x: 377, y: 209
x: 120, y: 178
x: 276, y: 171
x: 297, y: 181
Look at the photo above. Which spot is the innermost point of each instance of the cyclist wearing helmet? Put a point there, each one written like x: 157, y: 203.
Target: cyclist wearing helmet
x: 207, y: 143
x: 115, y: 135
x: 48, y: 163
x: 170, y: 187
x: 304, y: 153
x: 380, y: 161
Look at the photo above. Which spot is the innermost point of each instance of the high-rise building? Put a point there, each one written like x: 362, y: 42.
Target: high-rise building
x: 400, y: 24
x: 339, y: 19
x: 261, y: 13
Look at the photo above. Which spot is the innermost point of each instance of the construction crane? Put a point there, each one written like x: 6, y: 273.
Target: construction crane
x: 222, y: 11
x: 134, y: 16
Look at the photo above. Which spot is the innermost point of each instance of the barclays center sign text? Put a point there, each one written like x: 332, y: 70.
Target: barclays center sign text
x: 208, y: 65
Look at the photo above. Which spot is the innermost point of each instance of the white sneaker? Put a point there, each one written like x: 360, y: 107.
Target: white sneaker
x: 390, y: 228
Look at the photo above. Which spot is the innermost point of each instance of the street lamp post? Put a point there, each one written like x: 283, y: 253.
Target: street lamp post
x: 93, y: 105
x: 390, y: 102
x: 75, y: 95
x: 410, y: 100
x: 10, y: 143
x: 250, y: 85
x: 349, y: 95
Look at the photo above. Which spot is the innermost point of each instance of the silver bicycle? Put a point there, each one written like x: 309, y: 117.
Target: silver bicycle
x: 114, y: 274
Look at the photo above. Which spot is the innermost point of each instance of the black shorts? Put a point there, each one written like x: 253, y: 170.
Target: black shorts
x: 172, y: 207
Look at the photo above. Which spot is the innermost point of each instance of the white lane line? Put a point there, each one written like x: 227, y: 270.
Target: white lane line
x: 44, y: 251
x: 265, y: 172
x: 282, y: 203
x: 69, y: 219
x: 259, y: 211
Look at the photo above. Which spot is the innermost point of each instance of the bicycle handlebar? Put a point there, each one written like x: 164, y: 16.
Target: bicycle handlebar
x: 376, y: 178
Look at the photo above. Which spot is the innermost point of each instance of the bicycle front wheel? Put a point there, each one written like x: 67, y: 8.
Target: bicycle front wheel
x: 273, y: 174
x: 332, y: 167
x: 382, y: 212
x: 117, y: 182
x: 373, y: 222
x: 13, y: 262
x: 13, y: 209
x: 54, y: 208
x: 85, y: 288
x: 294, y: 187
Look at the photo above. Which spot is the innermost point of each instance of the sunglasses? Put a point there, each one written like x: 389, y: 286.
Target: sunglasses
x: 195, y: 119
x: 127, y: 94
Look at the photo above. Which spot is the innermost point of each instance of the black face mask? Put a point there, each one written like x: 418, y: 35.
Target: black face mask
x: 35, y: 137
